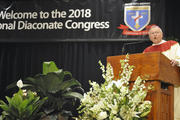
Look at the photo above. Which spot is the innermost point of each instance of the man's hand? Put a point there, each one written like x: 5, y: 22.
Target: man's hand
x: 174, y: 63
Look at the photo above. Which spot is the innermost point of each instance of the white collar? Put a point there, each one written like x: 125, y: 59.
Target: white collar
x: 162, y: 41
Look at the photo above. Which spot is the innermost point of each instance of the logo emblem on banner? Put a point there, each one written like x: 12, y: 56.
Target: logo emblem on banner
x: 137, y: 16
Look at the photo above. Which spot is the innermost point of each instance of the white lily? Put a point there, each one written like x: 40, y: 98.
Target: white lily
x: 19, y: 83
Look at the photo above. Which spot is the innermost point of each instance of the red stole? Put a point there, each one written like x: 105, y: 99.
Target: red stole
x: 160, y: 48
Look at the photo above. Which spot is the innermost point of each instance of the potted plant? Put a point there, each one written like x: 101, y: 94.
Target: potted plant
x: 62, y: 90
x: 23, y: 105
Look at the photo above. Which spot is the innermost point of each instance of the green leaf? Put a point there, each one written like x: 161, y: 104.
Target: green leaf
x: 12, y: 85
x: 24, y: 104
x: 4, y: 106
x: 68, y: 73
x: 52, y: 82
x: 30, y: 79
x: 17, y: 99
x: 49, y: 67
x: 40, y: 83
x: 68, y: 84
x: 72, y: 95
x: 9, y: 100
x: 38, y: 104
x: 60, y: 74
x: 145, y: 113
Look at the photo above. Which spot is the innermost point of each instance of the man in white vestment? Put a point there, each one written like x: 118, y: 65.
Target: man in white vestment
x: 171, y: 49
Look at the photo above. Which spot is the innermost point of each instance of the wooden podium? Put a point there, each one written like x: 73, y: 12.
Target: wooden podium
x: 160, y: 74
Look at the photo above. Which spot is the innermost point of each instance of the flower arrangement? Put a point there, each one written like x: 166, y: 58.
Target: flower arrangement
x: 114, y: 99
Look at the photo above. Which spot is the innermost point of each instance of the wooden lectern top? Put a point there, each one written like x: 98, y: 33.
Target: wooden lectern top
x: 152, y: 64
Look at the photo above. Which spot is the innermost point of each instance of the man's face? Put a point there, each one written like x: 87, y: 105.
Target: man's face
x: 155, y: 35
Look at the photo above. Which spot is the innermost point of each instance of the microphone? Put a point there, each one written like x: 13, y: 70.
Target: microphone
x: 135, y: 47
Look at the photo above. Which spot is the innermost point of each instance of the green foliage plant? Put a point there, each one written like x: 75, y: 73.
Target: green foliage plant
x: 62, y: 90
x: 23, y: 105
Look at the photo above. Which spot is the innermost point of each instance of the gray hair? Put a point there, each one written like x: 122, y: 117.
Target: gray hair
x: 155, y: 26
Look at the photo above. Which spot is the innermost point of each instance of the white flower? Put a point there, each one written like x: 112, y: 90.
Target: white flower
x: 19, y: 83
x: 110, y: 84
x: 34, y: 93
x: 24, y: 91
x: 114, y: 107
x: 128, y: 113
x: 124, y: 90
x: 25, y: 94
x: 95, y: 108
x: 144, y: 105
x: 115, y: 118
x: 119, y: 83
x: 102, y: 115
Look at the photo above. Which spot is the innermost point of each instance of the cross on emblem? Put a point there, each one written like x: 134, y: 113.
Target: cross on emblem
x: 136, y: 19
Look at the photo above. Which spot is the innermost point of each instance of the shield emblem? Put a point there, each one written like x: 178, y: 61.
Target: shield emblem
x: 137, y: 16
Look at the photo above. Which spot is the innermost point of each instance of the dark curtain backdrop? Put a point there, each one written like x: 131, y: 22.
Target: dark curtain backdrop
x: 172, y: 19
x: 19, y: 60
